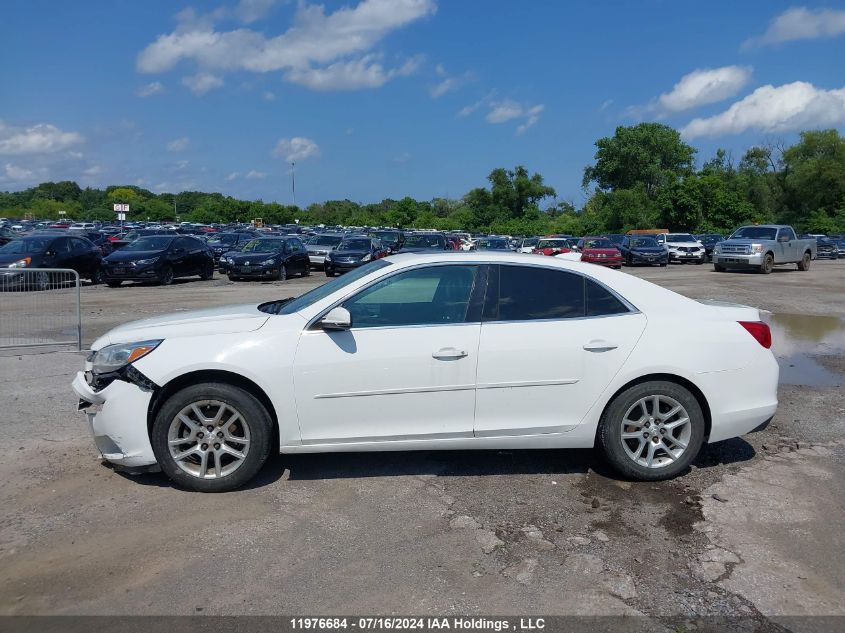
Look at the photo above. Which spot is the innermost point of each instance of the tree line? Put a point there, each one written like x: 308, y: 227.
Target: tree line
x: 644, y: 176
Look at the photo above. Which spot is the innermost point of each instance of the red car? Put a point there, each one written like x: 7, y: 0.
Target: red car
x: 601, y: 251
x: 552, y: 246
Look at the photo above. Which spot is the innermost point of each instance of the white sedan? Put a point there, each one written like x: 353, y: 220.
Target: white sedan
x: 433, y: 351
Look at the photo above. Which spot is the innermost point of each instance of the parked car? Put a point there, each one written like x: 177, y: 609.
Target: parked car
x: 840, y: 244
x: 601, y: 251
x: 826, y: 248
x: 319, y: 246
x: 709, y: 241
x: 391, y: 240
x: 683, y: 248
x: 638, y: 249
x: 424, y: 241
x: 352, y: 252
x: 160, y: 259
x: 49, y: 250
x: 551, y: 246
x: 7, y: 235
x: 762, y: 247
x: 222, y: 243
x: 274, y: 258
x: 467, y: 350
x: 123, y: 239
x: 492, y: 244
x: 527, y: 244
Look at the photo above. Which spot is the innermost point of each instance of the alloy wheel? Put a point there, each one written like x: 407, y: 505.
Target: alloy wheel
x: 208, y: 439
x: 656, y: 431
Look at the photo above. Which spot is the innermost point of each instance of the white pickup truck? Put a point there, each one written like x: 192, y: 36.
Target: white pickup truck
x: 762, y: 247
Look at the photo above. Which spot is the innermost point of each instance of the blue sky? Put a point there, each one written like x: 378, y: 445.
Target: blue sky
x: 386, y: 98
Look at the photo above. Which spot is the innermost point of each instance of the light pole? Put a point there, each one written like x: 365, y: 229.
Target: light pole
x: 293, y: 181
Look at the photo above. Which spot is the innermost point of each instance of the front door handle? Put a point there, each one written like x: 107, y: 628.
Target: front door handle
x: 599, y: 345
x: 449, y: 353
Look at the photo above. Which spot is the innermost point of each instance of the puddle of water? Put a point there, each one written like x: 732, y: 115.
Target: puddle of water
x: 797, y: 342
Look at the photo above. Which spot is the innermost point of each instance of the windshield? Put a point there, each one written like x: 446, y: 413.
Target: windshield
x: 387, y: 236
x: 755, y: 233
x: 354, y: 245
x: 263, y: 246
x: 29, y: 245
x: 598, y: 244
x: 229, y: 238
x: 644, y: 242
x: 325, y: 240
x: 425, y: 241
x: 553, y: 244
x: 680, y: 237
x: 321, y: 292
x: 151, y: 243
x: 492, y: 245
x: 531, y: 241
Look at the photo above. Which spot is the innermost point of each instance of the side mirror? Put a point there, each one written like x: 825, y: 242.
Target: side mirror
x: 336, y: 319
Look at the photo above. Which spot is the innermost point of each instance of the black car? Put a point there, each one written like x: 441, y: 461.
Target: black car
x: 130, y: 236
x: 709, y: 240
x: 353, y: 251
x: 827, y: 248
x: 391, y: 240
x: 222, y: 243
x: 274, y: 258
x: 638, y: 249
x: 160, y: 259
x: 49, y: 250
x: 492, y: 244
x: 424, y: 241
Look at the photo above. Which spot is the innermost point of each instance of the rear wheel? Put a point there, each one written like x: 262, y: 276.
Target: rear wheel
x: 718, y: 268
x: 306, y: 272
x: 207, y: 272
x: 283, y: 273
x: 329, y: 273
x: 652, y: 431
x: 98, y: 276
x: 113, y: 283
x: 804, y: 264
x: 211, y: 437
x: 42, y: 281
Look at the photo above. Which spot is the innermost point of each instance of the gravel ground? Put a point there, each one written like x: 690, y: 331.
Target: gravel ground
x: 753, y: 529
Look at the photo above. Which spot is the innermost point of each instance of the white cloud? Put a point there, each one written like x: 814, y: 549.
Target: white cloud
x: 249, y: 11
x: 309, y: 51
x: 13, y: 172
x: 472, y: 107
x: 150, y: 89
x: 448, y: 83
x: 41, y: 138
x: 507, y: 110
x: 94, y: 170
x: 801, y: 23
x: 404, y: 157
x: 794, y: 106
x: 179, y: 144
x: 703, y: 86
x: 182, y: 165
x: 606, y: 104
x: 201, y: 83
x: 233, y: 176
x: 296, y: 148
x: 255, y: 175
x: 366, y: 72
x: 269, y: 96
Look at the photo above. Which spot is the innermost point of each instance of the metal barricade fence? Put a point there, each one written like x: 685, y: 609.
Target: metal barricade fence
x: 40, y: 307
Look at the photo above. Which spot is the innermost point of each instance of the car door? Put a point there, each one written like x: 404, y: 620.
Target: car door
x: 788, y: 249
x: 551, y: 341
x: 406, y: 368
x: 180, y: 257
x: 63, y: 255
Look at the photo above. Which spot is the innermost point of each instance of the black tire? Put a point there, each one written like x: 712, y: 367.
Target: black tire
x: 254, y: 415
x: 718, y: 268
x: 207, y: 272
x: 42, y: 281
x: 768, y: 264
x: 609, y: 437
x: 113, y: 283
x: 306, y: 272
x: 283, y: 273
x: 329, y: 273
x: 233, y: 277
x: 804, y: 264
x: 98, y: 276
x: 664, y: 264
x: 165, y: 278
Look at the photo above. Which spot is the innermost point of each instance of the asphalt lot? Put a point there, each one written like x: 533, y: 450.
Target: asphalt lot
x: 754, y: 528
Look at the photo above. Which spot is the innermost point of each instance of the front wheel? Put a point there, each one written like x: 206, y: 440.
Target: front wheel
x: 306, y: 272
x: 652, y: 431
x: 98, y: 276
x: 804, y: 264
x: 165, y: 278
x: 718, y: 268
x: 211, y: 437
x: 768, y: 264
x: 207, y: 272
x: 329, y: 273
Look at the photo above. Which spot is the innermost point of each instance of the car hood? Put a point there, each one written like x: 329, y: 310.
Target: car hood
x: 211, y: 321
x: 612, y: 252
x: 252, y: 258
x: 658, y: 250
x: 350, y: 253
x: 131, y: 256
x: 677, y: 244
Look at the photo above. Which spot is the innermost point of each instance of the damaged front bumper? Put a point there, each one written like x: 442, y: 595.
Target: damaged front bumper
x: 117, y: 419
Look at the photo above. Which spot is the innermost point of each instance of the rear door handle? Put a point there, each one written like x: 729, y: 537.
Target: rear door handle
x: 449, y: 353
x: 599, y: 345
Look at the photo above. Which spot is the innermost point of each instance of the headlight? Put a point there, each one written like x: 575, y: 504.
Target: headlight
x: 756, y: 248
x: 21, y: 263
x: 717, y: 248
x: 366, y: 257
x: 146, y: 262
x: 268, y: 262
x: 228, y: 260
x: 113, y: 357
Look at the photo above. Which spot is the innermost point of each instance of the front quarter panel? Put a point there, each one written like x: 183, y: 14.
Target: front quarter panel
x: 263, y: 357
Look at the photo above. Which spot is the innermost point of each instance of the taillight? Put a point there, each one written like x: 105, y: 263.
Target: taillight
x: 760, y: 331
